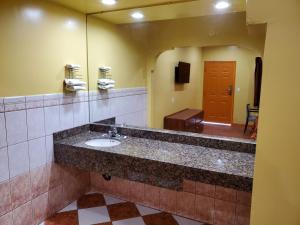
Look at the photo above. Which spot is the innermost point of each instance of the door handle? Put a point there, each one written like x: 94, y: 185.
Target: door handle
x: 229, y: 90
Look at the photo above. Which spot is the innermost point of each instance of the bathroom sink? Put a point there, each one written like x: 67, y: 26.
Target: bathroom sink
x: 103, y: 142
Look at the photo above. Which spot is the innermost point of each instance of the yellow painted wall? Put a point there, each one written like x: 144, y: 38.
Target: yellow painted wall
x: 244, y: 80
x: 37, y: 39
x: 276, y: 193
x: 169, y: 97
x: 111, y: 45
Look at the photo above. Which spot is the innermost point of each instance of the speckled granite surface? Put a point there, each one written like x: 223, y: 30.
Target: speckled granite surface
x: 219, y: 142
x: 156, y: 162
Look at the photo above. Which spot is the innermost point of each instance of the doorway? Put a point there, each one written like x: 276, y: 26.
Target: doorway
x: 218, y: 91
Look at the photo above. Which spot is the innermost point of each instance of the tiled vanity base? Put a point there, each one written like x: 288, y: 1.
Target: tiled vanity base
x: 99, y: 209
x: 30, y: 198
x: 203, y: 202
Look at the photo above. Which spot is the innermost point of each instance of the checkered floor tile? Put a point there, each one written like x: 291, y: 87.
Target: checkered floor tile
x: 99, y: 209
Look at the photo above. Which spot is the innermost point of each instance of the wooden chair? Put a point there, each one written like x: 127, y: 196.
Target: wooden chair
x: 252, y: 114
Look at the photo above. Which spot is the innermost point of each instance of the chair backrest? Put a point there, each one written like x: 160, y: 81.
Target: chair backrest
x: 248, y: 109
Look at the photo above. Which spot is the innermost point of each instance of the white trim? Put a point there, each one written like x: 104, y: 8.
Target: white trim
x: 219, y: 124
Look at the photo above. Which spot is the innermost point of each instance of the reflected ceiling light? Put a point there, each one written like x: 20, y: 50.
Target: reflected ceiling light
x: 32, y: 14
x: 109, y: 2
x: 71, y: 24
x: 222, y: 5
x: 137, y: 15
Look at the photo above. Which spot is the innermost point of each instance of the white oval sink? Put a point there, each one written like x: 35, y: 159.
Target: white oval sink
x: 103, y: 142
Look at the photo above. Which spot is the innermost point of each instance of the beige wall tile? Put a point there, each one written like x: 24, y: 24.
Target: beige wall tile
x: 23, y: 215
x: 5, y: 200
x: 40, y: 208
x: 54, y: 175
x: 39, y: 181
x: 6, y: 219
x: 20, y: 190
x: 56, y: 199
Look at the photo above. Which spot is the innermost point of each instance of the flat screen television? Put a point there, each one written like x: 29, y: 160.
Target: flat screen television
x: 182, y: 73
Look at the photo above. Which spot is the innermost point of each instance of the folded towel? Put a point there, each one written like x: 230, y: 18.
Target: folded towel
x: 105, y: 87
x: 72, y: 66
x: 75, y: 88
x: 105, y: 68
x: 105, y: 81
x: 74, y: 82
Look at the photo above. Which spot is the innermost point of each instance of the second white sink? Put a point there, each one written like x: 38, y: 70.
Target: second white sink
x: 103, y: 142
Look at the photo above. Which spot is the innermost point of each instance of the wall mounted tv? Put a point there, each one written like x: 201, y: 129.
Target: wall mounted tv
x: 182, y: 73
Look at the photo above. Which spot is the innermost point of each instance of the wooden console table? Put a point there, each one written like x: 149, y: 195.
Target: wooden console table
x: 185, y: 120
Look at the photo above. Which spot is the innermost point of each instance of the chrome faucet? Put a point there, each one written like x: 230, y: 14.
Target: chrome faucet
x: 113, y: 132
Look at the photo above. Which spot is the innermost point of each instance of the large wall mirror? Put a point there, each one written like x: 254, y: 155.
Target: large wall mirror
x: 135, y: 52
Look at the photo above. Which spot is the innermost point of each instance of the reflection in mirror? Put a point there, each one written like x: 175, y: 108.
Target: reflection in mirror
x: 209, y: 91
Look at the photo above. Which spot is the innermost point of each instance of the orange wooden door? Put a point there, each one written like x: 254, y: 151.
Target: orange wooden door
x: 218, y: 88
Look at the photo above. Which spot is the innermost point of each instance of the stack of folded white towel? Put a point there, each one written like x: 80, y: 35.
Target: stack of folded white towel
x: 105, y: 84
x: 75, y: 85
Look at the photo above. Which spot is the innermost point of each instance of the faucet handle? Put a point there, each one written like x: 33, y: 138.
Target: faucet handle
x: 110, y: 134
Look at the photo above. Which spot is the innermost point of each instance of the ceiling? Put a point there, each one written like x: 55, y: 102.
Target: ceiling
x: 152, y: 9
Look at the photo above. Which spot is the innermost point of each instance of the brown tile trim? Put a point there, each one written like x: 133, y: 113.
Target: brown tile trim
x: 151, y: 197
x: 167, y: 200
x: 206, y: 207
x: 224, y: 212
x: 189, y: 186
x: 244, y: 198
x: 226, y: 194
x: 136, y: 191
x: 185, y: 204
x: 242, y: 215
x: 207, y: 190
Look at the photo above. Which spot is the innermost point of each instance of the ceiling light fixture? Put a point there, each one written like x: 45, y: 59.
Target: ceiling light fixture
x: 137, y: 15
x: 222, y: 5
x: 109, y: 2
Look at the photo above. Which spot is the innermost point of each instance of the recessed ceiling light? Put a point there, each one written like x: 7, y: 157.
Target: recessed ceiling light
x: 137, y: 15
x: 109, y: 2
x: 222, y: 5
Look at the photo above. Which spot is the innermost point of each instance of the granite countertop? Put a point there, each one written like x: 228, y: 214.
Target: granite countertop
x: 178, y: 161
x: 221, y: 161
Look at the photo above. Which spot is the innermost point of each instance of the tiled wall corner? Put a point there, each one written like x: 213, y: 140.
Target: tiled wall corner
x: 27, y: 176
x: 32, y: 187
